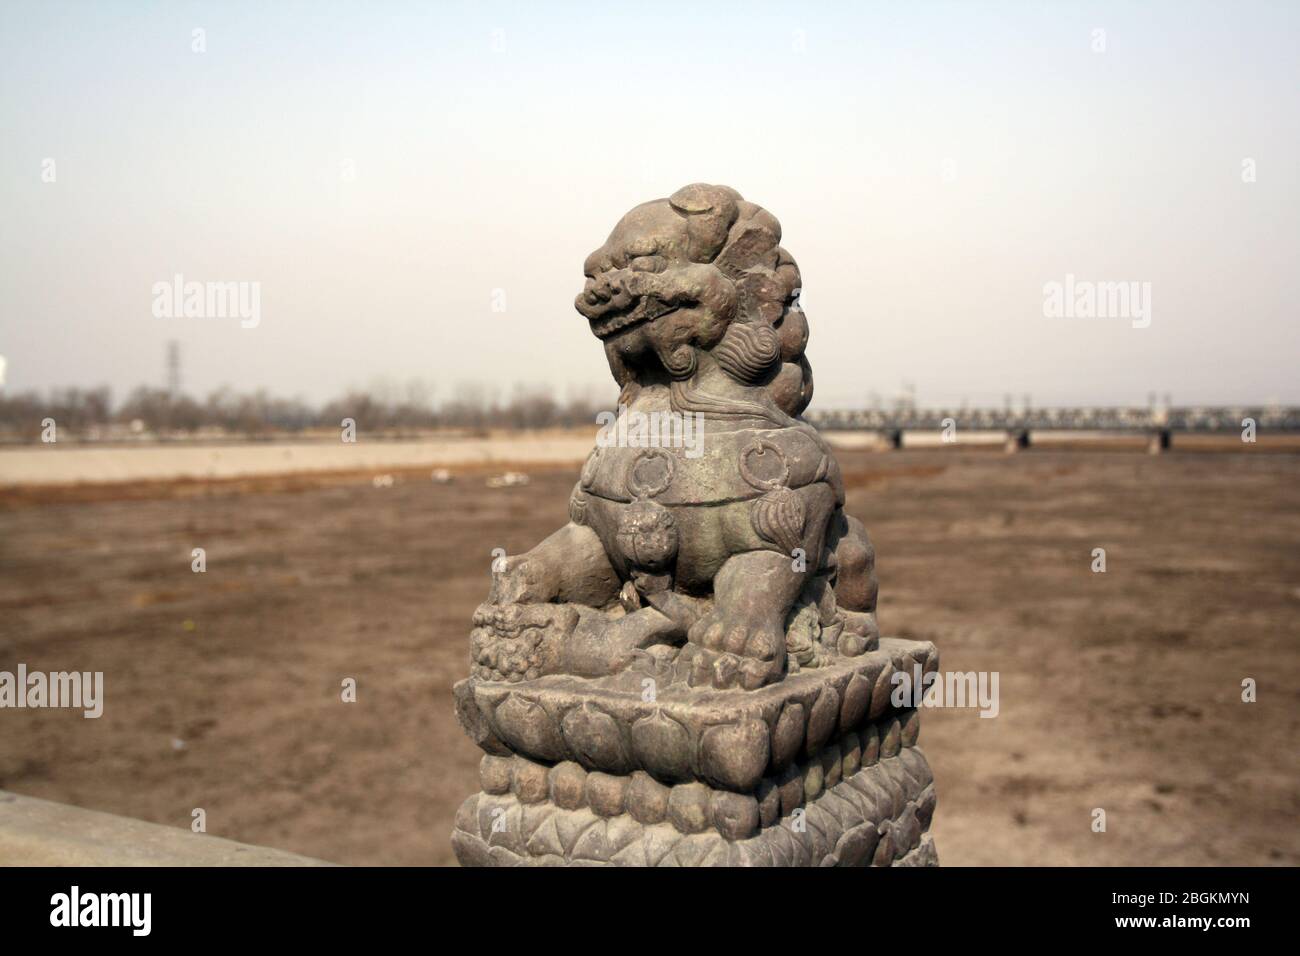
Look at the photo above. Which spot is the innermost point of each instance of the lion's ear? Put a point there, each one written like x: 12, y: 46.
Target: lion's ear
x: 710, y: 212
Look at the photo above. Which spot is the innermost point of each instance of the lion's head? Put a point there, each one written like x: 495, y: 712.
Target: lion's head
x: 696, y: 278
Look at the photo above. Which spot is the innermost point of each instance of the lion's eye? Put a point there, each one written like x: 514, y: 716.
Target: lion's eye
x: 648, y: 264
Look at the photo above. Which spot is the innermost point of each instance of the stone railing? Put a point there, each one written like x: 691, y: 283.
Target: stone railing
x: 40, y: 833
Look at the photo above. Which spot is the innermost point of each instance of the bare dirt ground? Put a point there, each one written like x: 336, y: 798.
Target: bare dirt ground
x: 65, y: 462
x: 1119, y: 691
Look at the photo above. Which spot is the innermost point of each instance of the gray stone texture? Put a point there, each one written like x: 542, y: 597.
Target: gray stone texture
x: 690, y: 672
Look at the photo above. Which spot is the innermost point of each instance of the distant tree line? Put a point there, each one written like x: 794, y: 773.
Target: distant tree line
x: 91, y: 413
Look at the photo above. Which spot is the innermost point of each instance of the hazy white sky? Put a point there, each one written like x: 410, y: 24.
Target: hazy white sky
x: 933, y: 166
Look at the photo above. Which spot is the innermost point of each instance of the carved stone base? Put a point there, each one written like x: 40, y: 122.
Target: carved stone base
x: 818, y: 770
x: 877, y: 816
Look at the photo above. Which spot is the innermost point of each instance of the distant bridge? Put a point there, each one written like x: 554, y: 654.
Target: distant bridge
x: 1160, y: 425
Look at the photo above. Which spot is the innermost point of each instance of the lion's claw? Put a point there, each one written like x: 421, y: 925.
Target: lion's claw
x: 757, y: 641
x: 724, y: 671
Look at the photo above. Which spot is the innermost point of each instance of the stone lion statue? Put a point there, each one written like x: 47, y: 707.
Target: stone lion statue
x: 731, y: 560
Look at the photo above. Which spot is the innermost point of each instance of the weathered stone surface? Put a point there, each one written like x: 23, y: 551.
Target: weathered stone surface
x: 813, y: 781
x: 850, y: 753
x: 791, y: 787
x: 821, y: 722
x: 870, y: 745
x: 911, y: 721
x: 527, y: 727
x: 925, y: 807
x: 688, y: 807
x: 647, y: 798
x: 832, y: 765
x: 735, y: 755
x: 40, y: 833
x: 662, y: 746
x: 596, y: 739
x: 605, y: 793
x: 667, y: 734
x: 531, y: 781
x: 837, y: 829
x: 788, y: 735
x: 857, y: 698
x: 880, y: 695
x: 474, y: 722
x: 494, y: 773
x: 568, y: 783
x: 857, y: 846
x: 891, y: 739
x: 924, y: 854
x: 768, y: 797
x: 734, y: 815
x: 690, y: 672
x: 861, y: 787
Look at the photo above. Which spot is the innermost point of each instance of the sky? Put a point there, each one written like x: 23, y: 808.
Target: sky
x: 413, y: 188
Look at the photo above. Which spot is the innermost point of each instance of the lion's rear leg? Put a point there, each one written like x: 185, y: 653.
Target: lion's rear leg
x: 570, y: 566
x: 855, y: 587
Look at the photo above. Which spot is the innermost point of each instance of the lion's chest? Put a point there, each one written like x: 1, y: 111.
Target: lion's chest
x: 711, y: 468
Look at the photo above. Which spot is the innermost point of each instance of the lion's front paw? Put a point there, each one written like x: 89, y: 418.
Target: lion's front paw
x: 725, y: 671
x: 736, y: 653
x: 761, y: 640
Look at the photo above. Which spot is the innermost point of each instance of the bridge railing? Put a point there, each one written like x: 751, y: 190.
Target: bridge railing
x: 1117, y: 419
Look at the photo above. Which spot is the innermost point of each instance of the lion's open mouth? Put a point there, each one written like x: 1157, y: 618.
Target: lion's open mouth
x: 647, y: 309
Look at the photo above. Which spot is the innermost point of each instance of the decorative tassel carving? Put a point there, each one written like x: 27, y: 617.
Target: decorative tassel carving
x: 779, y: 517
